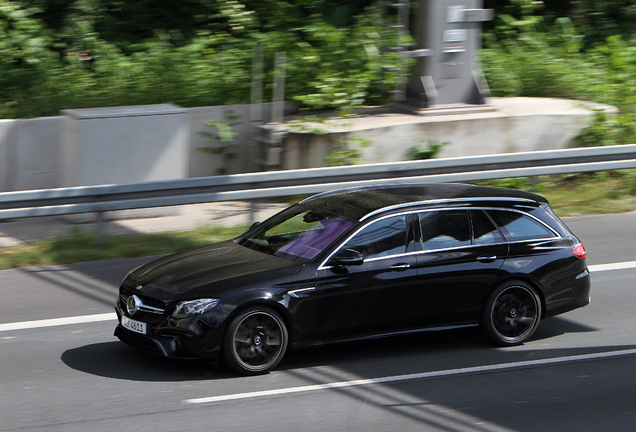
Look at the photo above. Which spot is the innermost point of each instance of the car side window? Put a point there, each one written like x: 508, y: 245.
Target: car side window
x: 382, y: 238
x: 518, y: 226
x: 444, y: 229
x: 484, y: 231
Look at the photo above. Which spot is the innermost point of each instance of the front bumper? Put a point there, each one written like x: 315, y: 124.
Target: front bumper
x: 170, y: 340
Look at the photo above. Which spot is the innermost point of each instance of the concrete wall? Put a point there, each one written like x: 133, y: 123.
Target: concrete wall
x: 38, y: 159
x: 29, y: 151
x: 306, y: 150
x: 7, y: 138
x: 123, y: 144
x: 472, y: 137
x: 101, y: 147
x: 203, y: 164
x: 511, y: 125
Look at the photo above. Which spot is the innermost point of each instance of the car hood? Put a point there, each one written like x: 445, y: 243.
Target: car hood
x: 214, y: 267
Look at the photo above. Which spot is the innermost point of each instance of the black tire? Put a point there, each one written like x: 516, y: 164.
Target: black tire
x: 511, y: 314
x: 255, y: 341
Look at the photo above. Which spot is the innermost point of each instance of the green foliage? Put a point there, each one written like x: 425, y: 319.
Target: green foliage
x: 301, y: 127
x: 80, y: 246
x: 629, y: 180
x: 25, y: 56
x: 191, y: 53
x: 346, y: 150
x: 59, y: 54
x: 224, y: 129
x: 418, y: 153
x: 225, y: 134
x: 555, y: 62
x: 595, y: 20
x: 537, y: 64
x: 335, y: 67
x: 519, y: 183
x: 601, y: 132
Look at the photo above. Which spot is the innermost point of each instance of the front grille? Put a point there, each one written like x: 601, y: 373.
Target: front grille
x: 150, y: 311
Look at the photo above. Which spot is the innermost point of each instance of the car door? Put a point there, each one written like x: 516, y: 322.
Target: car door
x: 362, y: 299
x: 460, y: 253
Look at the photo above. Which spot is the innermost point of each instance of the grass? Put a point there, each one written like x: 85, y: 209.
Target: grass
x: 581, y: 194
x: 569, y: 195
x: 81, y: 246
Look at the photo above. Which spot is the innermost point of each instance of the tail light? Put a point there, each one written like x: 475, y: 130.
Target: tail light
x: 579, y: 251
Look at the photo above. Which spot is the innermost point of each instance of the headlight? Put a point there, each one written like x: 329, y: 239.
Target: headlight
x: 194, y: 307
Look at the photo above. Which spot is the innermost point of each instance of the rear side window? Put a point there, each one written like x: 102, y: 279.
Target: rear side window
x: 518, y: 226
x: 444, y: 229
x: 484, y: 231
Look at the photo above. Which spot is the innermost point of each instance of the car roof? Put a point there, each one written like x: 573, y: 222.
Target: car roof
x: 361, y: 202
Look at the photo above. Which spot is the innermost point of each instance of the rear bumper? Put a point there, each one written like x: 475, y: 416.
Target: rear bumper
x: 575, y: 295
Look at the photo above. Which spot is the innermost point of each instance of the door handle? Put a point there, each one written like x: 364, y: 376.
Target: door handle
x: 400, y: 267
x: 486, y: 258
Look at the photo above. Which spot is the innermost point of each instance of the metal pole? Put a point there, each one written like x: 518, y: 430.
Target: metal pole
x: 278, y: 96
x: 256, y: 107
x: 256, y: 120
x: 278, y: 113
x: 402, y: 35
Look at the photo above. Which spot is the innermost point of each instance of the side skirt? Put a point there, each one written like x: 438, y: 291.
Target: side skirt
x: 306, y: 344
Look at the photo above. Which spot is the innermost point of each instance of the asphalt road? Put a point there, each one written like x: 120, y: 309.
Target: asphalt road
x: 576, y: 374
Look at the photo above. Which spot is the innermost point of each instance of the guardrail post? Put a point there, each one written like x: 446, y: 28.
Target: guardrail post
x: 253, y: 211
x: 100, y: 228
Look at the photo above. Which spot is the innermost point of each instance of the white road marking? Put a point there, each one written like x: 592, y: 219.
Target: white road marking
x: 612, y: 266
x: 395, y: 378
x: 112, y: 316
x: 58, y: 321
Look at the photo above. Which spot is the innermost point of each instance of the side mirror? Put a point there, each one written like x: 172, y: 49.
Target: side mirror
x: 254, y: 225
x: 346, y: 257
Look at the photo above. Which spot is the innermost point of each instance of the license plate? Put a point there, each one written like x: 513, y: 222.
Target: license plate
x: 132, y: 325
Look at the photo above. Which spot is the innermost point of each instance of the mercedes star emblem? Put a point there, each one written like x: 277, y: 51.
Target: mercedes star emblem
x: 133, y: 304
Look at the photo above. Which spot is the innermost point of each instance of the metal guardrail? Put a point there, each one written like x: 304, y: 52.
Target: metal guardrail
x: 86, y: 199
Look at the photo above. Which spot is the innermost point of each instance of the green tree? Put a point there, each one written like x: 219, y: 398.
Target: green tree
x: 25, y: 57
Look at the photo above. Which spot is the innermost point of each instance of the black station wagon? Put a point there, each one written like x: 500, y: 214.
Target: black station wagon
x: 358, y: 263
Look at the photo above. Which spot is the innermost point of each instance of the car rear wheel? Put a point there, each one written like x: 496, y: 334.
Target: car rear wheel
x: 255, y: 341
x: 511, y: 314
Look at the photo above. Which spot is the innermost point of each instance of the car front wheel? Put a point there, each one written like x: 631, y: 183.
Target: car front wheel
x: 255, y: 341
x: 511, y: 314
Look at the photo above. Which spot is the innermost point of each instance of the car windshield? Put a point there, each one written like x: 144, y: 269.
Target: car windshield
x: 296, y: 233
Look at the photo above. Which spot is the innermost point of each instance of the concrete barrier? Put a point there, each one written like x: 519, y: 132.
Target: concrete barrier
x: 29, y: 151
x: 512, y: 125
x: 203, y: 164
x: 7, y: 140
x: 115, y: 145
